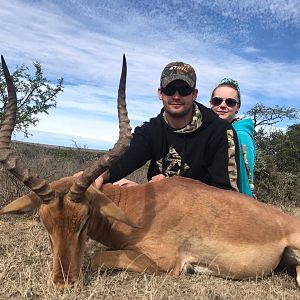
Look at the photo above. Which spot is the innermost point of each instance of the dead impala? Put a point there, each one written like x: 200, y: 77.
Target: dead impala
x: 176, y: 225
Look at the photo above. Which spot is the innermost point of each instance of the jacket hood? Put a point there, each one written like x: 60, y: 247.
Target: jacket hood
x: 245, y: 125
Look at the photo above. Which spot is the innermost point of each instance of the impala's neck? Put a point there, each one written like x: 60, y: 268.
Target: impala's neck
x: 99, y: 227
x: 137, y: 202
x: 115, y: 193
x: 131, y: 200
x: 102, y: 228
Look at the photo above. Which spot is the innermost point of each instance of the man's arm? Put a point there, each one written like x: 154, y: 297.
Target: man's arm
x: 138, y: 153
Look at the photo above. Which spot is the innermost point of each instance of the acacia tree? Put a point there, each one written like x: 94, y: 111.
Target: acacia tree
x: 267, y: 116
x: 35, y: 95
x: 278, y: 153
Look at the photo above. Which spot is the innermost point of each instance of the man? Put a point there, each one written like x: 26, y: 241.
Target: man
x: 185, y: 139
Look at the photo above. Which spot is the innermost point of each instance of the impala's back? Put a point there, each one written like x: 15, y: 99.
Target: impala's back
x: 185, y: 224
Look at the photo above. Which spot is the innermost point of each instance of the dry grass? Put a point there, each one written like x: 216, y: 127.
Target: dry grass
x: 25, y: 260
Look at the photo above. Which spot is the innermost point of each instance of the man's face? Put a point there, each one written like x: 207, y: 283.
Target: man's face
x: 177, y: 98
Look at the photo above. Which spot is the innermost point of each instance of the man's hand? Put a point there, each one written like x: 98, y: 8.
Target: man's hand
x: 126, y: 182
x: 157, y: 178
x: 77, y: 174
x: 97, y: 183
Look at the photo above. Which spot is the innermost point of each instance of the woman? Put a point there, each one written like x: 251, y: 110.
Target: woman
x: 226, y: 102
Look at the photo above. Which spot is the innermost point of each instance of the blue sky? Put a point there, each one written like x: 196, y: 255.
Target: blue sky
x: 254, y: 42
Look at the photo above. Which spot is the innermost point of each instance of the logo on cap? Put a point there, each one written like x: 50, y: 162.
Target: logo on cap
x: 178, y: 71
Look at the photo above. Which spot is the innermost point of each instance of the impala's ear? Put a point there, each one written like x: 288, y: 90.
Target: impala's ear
x: 23, y: 204
x: 107, y: 208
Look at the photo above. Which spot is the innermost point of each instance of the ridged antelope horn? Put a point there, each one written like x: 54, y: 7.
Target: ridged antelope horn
x: 7, y: 157
x: 100, y: 166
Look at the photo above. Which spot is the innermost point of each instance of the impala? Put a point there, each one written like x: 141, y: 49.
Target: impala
x: 173, y: 226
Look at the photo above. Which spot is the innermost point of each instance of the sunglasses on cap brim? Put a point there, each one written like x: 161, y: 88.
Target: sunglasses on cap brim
x: 230, y: 102
x: 170, y: 90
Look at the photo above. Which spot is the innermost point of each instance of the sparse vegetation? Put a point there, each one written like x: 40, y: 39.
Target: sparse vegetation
x: 277, y: 166
x: 25, y: 254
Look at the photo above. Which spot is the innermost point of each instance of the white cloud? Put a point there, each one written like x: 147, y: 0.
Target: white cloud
x: 251, y: 50
x: 83, y: 126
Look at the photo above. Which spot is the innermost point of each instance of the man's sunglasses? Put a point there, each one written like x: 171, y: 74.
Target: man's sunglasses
x: 230, y: 102
x: 170, y: 90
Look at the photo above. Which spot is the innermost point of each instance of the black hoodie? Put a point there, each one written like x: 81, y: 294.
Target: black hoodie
x: 209, y: 153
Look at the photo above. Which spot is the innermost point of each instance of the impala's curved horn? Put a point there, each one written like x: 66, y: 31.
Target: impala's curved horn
x: 7, y: 157
x: 100, y: 166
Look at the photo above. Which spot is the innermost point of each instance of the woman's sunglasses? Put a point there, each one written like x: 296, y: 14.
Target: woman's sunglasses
x: 170, y: 90
x: 230, y: 102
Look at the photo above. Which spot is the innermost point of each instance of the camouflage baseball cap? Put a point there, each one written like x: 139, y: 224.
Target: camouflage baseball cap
x: 178, y: 71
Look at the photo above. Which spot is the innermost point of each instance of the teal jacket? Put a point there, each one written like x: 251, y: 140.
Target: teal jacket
x: 245, y: 129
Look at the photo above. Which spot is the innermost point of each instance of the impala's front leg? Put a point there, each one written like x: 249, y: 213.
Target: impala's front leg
x: 125, y: 260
